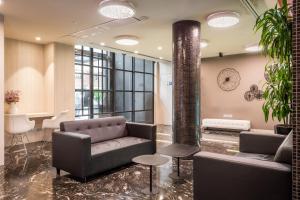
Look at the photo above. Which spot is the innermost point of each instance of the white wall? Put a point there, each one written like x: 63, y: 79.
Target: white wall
x: 163, y: 93
x: 45, y: 76
x: 1, y: 89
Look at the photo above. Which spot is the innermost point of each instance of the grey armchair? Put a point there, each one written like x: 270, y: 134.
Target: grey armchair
x: 250, y: 175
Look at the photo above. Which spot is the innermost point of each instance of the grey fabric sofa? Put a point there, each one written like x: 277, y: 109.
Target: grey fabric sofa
x: 87, y: 147
x: 250, y: 175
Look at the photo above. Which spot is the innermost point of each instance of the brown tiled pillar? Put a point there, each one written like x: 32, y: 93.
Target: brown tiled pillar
x: 186, y: 82
x: 296, y: 100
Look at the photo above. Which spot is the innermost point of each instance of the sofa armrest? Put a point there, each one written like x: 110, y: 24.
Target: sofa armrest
x: 146, y: 131
x: 261, y: 143
x: 71, y: 152
x: 219, y: 176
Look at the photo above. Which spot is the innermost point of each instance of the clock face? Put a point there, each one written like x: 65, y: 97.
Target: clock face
x: 229, y: 79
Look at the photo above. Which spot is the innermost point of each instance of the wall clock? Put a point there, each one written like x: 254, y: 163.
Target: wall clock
x: 229, y: 79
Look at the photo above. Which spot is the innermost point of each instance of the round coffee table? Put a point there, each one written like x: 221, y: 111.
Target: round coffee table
x: 178, y: 151
x: 150, y: 160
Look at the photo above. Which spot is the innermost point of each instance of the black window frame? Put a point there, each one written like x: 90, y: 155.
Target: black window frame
x: 111, y: 66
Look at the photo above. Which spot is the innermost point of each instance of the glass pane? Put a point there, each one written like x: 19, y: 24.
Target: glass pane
x: 149, y: 66
x: 96, y: 82
x: 139, y: 101
x: 119, y: 101
x: 86, y: 81
x: 104, y: 86
x: 86, y: 99
x: 107, y: 102
x: 128, y: 80
x: 105, y: 63
x: 78, y: 81
x: 140, y: 116
x: 149, y: 117
x: 148, y: 101
x: 139, y: 82
x: 95, y: 62
x: 139, y: 65
x: 119, y: 80
x: 86, y: 69
x: 78, y: 99
x: 96, y: 100
x: 95, y: 70
x: 149, y: 81
x: 128, y: 63
x: 86, y: 60
x: 119, y: 60
x: 77, y: 68
x: 128, y: 101
x: 127, y: 115
x: 78, y: 59
x: 86, y: 112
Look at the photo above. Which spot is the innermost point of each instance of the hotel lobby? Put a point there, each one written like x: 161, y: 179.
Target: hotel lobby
x: 139, y: 99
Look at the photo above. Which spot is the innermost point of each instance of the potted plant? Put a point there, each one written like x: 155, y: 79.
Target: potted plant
x: 276, y: 40
x: 11, y: 98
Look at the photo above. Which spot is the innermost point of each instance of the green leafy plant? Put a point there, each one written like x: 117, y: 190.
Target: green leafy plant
x: 278, y: 92
x: 276, y: 39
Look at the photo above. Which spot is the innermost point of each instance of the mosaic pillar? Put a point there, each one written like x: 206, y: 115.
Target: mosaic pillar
x: 186, y: 82
x: 296, y: 100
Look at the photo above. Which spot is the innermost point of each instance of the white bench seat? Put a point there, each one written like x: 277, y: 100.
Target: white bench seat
x: 231, y: 124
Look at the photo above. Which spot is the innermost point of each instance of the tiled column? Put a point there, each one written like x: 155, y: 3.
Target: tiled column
x: 186, y: 82
x: 296, y: 100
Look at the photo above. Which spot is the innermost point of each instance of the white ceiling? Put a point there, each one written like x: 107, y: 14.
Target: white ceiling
x: 52, y: 20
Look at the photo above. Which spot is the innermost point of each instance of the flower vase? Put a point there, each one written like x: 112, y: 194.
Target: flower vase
x: 13, y: 109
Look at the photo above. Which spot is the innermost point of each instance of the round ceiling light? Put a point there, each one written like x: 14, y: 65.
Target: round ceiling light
x: 116, y: 9
x: 203, y: 44
x: 127, y: 40
x: 253, y: 48
x: 223, y: 19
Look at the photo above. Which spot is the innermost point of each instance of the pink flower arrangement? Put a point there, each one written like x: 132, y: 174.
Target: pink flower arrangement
x: 12, y: 96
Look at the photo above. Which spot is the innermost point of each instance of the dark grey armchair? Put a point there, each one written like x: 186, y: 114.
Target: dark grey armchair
x: 87, y: 147
x: 250, y: 175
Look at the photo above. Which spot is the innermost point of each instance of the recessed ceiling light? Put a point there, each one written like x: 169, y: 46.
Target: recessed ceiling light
x: 223, y: 19
x: 116, y: 9
x: 127, y: 40
x: 102, y: 43
x: 38, y: 38
x: 136, y: 52
x: 161, y: 58
x: 253, y: 48
x: 203, y: 43
x: 159, y: 48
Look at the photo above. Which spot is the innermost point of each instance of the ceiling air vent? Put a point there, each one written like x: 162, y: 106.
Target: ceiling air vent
x: 106, y: 26
x: 250, y: 7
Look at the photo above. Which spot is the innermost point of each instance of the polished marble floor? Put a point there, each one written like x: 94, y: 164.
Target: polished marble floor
x: 33, y: 177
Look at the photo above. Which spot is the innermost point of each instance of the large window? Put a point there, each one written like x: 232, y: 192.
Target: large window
x: 109, y: 83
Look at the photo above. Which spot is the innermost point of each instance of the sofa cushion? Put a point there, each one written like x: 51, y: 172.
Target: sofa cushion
x: 285, y: 150
x: 100, y: 130
x: 256, y: 156
x: 102, y: 147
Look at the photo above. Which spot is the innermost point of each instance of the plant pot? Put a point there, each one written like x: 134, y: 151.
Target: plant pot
x: 13, y: 109
x: 282, y: 129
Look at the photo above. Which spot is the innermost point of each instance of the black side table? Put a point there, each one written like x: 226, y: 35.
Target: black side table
x: 150, y: 160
